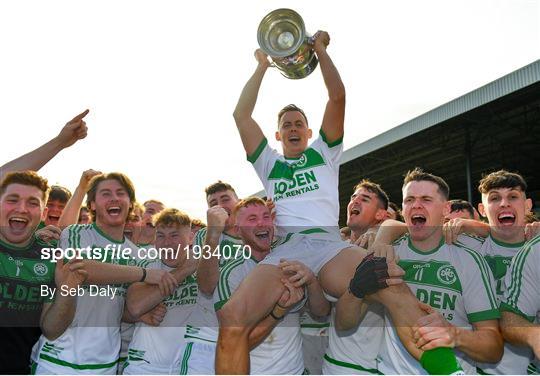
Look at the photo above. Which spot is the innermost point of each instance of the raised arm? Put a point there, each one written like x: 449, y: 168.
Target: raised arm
x: 250, y: 132
x: 334, y: 114
x: 70, y: 215
x: 208, y: 269
x: 74, y: 130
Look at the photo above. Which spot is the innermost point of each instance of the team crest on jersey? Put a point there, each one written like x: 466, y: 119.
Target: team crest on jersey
x: 40, y: 269
x: 446, y: 274
x: 301, y: 162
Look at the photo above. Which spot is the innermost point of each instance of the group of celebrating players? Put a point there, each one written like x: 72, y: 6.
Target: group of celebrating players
x: 429, y: 288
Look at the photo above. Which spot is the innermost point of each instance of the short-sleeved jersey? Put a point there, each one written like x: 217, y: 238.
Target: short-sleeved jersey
x: 499, y: 256
x: 357, y: 349
x: 127, y: 329
x: 202, y: 326
x: 304, y: 189
x: 91, y: 344
x: 281, y: 352
x: 453, y: 279
x: 157, y: 347
x: 23, y: 274
x: 522, y: 295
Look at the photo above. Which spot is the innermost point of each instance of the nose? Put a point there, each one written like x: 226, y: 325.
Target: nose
x: 22, y: 206
x: 505, y: 202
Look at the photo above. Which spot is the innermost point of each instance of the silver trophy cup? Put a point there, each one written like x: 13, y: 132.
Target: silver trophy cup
x: 282, y: 36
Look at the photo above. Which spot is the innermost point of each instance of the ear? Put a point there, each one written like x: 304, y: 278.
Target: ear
x: 278, y: 136
x: 44, y: 213
x: 381, y: 215
x: 446, y: 209
x: 481, y: 209
x: 310, y: 132
x: 92, y: 206
x: 528, y: 205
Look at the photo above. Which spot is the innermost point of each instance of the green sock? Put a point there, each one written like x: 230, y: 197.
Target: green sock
x: 440, y: 361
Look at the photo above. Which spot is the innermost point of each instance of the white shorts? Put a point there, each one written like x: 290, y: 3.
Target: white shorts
x: 143, y: 368
x: 196, y: 358
x: 312, y: 249
x: 334, y: 367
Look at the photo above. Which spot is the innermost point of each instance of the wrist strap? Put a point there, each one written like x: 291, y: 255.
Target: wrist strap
x: 143, y: 275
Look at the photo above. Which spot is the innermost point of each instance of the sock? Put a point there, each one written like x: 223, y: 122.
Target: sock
x: 440, y: 361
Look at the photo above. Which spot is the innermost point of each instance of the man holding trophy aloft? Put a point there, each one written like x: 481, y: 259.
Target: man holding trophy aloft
x: 303, y: 182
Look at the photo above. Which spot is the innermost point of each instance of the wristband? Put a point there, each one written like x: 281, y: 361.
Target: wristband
x: 143, y: 275
x: 277, y: 318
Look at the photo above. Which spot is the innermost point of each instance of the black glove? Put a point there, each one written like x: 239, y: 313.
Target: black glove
x: 370, y: 276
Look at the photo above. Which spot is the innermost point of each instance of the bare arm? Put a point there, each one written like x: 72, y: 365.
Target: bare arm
x: 435, y: 331
x: 208, y: 269
x: 142, y: 297
x: 70, y: 215
x: 57, y: 316
x: 389, y: 231
x: 521, y: 332
x: 349, y: 311
x: 250, y: 132
x: 73, y: 131
x: 334, y: 114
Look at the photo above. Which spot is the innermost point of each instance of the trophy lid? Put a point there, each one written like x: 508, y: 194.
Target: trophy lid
x: 281, y: 32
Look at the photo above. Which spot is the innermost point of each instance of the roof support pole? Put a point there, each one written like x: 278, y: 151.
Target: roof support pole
x: 468, y: 164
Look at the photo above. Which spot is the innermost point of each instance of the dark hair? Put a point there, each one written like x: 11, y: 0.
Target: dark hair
x: 399, y: 216
x: 375, y: 188
x: 120, y: 178
x: 459, y: 205
x: 501, y: 179
x: 419, y: 175
x: 59, y: 193
x: 290, y: 108
x: 218, y: 186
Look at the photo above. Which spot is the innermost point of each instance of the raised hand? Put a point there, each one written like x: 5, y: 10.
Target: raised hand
x: 321, y: 40
x: 74, y: 130
x: 262, y: 58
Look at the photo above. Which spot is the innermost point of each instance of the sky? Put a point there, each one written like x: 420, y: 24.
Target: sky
x: 161, y: 78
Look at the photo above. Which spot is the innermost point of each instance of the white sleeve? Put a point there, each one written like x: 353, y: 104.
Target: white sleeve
x: 522, y: 296
x: 478, y: 289
x: 331, y: 151
x: 230, y: 278
x: 263, y: 159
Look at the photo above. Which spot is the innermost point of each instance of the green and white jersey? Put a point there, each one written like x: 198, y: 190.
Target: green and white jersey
x: 453, y: 279
x: 155, y: 348
x: 281, y: 352
x: 356, y: 350
x: 91, y: 344
x: 23, y: 276
x: 522, y: 295
x: 304, y: 189
x: 499, y: 256
x: 317, y: 327
x: 127, y: 329
x: 202, y: 326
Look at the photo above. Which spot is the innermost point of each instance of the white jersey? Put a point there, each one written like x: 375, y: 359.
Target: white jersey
x: 522, y: 296
x: 355, y: 350
x: 453, y: 279
x: 281, y: 351
x: 202, y: 326
x: 304, y: 189
x: 153, y: 349
x: 498, y: 256
x: 91, y: 344
x: 127, y: 329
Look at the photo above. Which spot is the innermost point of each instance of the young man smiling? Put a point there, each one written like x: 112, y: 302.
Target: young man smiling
x: 82, y: 333
x: 22, y: 272
x: 452, y: 281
